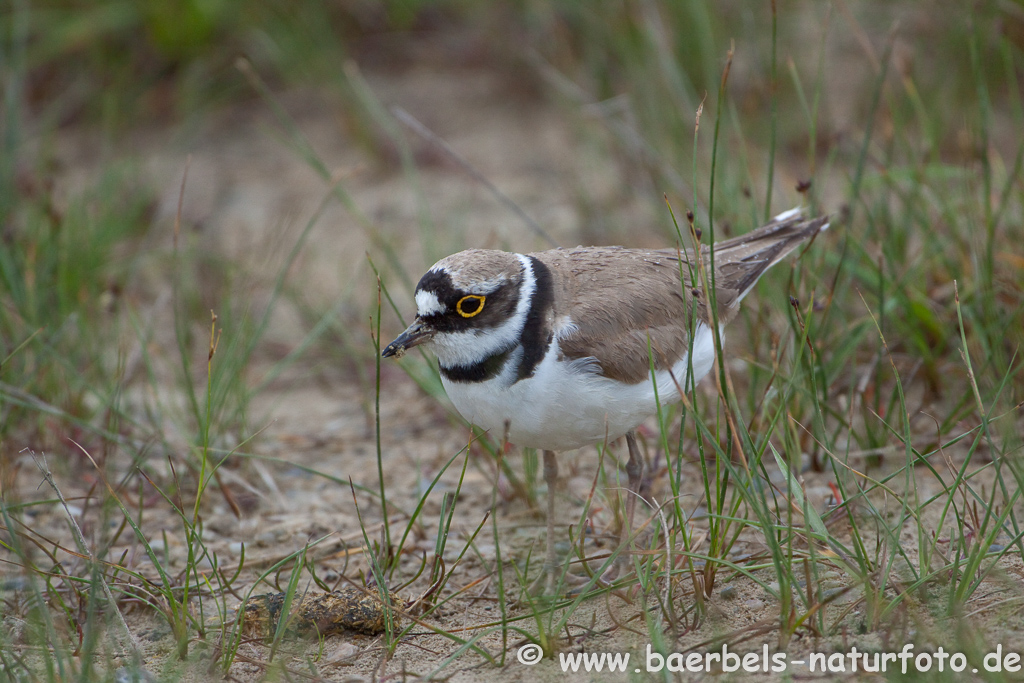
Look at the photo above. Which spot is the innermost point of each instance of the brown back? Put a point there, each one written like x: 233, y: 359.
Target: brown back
x: 624, y: 303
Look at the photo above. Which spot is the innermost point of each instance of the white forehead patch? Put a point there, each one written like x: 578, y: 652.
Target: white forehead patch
x: 427, y: 304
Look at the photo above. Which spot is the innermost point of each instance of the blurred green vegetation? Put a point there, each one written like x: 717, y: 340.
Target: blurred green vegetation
x: 937, y: 100
x: 66, y: 263
x: 124, y: 62
x: 128, y: 61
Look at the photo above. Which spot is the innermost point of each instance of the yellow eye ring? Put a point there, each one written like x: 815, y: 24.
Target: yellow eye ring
x: 478, y: 299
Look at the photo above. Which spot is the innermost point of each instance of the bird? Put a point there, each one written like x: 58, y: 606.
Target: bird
x: 566, y: 348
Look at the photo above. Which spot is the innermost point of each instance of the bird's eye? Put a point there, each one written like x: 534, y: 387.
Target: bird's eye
x: 469, y: 306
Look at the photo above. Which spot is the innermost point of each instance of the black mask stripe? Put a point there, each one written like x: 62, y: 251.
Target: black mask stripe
x: 537, y: 334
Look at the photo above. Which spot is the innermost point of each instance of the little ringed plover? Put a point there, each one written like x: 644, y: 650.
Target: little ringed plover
x: 557, y: 346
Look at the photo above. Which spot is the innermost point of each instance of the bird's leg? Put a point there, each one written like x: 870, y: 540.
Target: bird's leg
x: 635, y: 472
x: 545, y: 583
x: 551, y: 479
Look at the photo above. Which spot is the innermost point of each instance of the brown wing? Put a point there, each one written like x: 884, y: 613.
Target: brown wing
x: 616, y: 299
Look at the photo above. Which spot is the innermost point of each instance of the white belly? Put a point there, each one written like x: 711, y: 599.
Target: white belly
x: 564, y: 406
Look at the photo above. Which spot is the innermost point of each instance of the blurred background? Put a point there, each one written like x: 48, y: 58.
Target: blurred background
x: 165, y: 159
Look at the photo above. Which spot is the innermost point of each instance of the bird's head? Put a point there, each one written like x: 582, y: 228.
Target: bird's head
x: 468, y: 306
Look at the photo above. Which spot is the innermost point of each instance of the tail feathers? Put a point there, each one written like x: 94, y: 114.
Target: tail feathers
x: 740, y: 261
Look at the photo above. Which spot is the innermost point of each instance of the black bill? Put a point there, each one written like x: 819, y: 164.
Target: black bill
x: 414, y: 335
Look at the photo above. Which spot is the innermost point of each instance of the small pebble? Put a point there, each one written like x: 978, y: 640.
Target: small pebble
x: 272, y: 537
x: 753, y: 605
x: 729, y: 593
x: 343, y: 655
x: 127, y: 674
